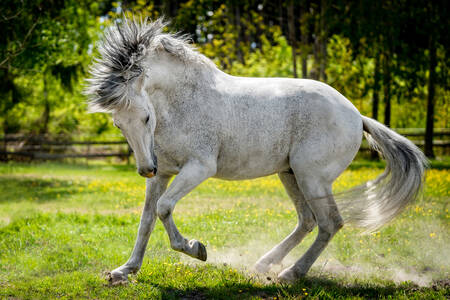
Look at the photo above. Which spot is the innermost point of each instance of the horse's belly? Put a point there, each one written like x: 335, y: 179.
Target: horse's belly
x: 252, y: 164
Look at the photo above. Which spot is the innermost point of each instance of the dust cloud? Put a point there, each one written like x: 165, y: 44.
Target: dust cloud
x: 327, y: 266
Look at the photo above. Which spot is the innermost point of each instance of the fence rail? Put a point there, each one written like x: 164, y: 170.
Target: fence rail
x: 45, y: 147
x: 62, y: 146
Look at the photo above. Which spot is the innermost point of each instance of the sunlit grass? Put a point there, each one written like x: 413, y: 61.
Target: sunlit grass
x: 63, y: 225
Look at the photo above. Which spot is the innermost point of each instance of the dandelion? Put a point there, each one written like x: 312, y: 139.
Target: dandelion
x: 432, y: 235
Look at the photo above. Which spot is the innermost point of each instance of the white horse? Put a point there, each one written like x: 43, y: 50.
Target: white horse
x: 182, y: 116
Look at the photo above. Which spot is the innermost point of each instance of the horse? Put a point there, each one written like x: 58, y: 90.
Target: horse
x: 185, y: 118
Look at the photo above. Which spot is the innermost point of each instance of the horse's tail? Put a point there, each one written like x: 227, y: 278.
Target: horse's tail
x: 377, y: 202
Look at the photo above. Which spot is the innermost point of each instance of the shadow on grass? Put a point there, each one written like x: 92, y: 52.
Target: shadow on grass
x: 36, y: 190
x: 320, y: 288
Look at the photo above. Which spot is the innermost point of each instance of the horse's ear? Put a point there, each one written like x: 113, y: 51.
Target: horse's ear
x: 171, y: 46
x: 165, y: 45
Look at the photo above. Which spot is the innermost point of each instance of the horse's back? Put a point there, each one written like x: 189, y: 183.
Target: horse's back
x: 265, y: 119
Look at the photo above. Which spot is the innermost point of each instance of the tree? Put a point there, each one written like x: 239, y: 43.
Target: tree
x: 40, y: 37
x: 388, y: 57
x: 292, y: 36
x: 437, y: 13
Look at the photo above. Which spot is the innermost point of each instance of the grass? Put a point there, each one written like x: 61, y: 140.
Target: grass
x: 62, y: 226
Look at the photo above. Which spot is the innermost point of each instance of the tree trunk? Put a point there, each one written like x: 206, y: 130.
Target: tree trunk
x: 376, y: 88
x: 46, y: 113
x: 12, y: 99
x: 376, y: 96
x: 280, y: 6
x: 387, y: 90
x: 314, y: 72
x: 292, y: 39
x: 4, y: 146
x: 430, y: 101
x: 323, y: 41
x: 304, y: 66
x: 304, y: 39
x: 237, y: 24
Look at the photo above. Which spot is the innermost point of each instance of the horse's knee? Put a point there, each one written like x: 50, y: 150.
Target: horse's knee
x: 307, y: 220
x: 308, y: 224
x: 163, y: 209
x: 332, y: 226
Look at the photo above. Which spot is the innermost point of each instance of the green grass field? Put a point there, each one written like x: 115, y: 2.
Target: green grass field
x: 62, y: 226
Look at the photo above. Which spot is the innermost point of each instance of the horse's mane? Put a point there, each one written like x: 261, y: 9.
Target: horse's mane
x: 122, y: 51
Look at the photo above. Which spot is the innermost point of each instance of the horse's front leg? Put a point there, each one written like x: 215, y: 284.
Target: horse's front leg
x: 155, y: 188
x: 191, y: 175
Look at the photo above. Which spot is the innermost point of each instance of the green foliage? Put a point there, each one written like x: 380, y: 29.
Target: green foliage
x: 43, y: 53
x: 272, y: 60
x: 48, y: 45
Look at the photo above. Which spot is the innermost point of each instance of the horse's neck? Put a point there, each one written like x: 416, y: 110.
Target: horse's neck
x: 174, y: 85
x: 179, y: 81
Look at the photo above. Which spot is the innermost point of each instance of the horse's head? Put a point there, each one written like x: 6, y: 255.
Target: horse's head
x: 137, y: 123
x: 117, y: 85
x: 136, y: 56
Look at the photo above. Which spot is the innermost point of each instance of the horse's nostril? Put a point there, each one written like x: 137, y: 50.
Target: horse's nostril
x: 147, y: 172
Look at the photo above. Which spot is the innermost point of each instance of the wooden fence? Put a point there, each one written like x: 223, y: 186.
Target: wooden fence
x: 44, y: 147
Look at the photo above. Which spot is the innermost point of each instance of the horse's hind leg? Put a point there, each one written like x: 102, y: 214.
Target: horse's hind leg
x: 306, y: 223
x: 319, y: 197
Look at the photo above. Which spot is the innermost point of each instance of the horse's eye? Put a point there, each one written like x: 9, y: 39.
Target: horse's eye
x: 147, y: 119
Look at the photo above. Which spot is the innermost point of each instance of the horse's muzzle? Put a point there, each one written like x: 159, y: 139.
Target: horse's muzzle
x: 147, y: 172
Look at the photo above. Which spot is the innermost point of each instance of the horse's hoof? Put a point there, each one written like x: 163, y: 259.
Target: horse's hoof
x: 116, y: 278
x: 201, y: 250
x: 262, y: 267
x: 289, y: 275
x: 202, y: 254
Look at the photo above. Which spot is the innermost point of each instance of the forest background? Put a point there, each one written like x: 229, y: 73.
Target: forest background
x: 390, y: 58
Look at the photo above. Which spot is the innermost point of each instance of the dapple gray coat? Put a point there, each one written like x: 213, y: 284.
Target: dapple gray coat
x: 184, y: 117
